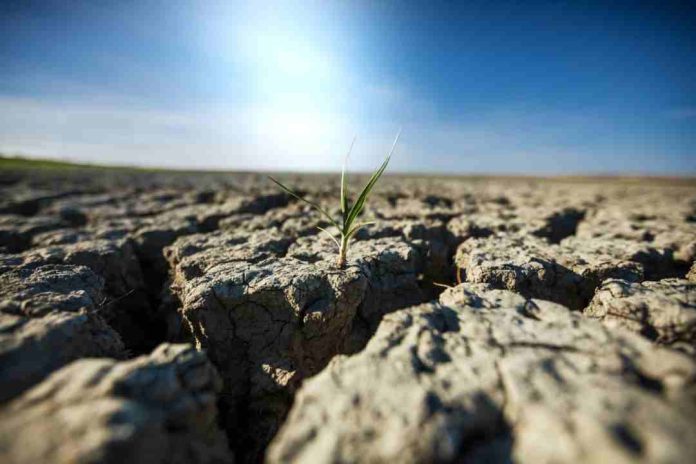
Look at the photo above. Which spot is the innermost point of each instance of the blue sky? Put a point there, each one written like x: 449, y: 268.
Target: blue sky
x: 478, y: 87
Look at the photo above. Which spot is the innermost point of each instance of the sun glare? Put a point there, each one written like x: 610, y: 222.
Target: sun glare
x: 296, y: 78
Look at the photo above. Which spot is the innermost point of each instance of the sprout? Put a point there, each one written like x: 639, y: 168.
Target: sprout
x: 347, y: 225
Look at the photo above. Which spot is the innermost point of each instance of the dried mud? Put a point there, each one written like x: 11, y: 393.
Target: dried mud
x: 477, y: 320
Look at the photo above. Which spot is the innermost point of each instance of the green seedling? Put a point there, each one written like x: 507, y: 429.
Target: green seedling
x: 347, y: 225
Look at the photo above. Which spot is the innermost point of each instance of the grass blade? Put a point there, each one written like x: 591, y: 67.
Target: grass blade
x: 344, y: 187
x: 358, y: 227
x: 310, y: 203
x: 330, y: 235
x: 359, y: 204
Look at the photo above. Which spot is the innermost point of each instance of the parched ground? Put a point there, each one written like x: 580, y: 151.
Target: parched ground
x: 199, y: 317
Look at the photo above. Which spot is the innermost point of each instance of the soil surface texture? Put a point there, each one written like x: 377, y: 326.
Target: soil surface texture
x: 184, y: 317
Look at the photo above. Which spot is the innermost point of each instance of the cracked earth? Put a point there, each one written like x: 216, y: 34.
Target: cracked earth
x: 199, y: 318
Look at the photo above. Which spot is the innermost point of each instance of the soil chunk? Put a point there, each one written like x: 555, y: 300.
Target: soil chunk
x: 33, y: 289
x: 125, y: 305
x: 271, y: 313
x: 32, y: 348
x: 664, y: 311
x: 156, y: 408
x: 567, y: 273
x: 17, y: 232
x: 48, y: 315
x: 489, y: 376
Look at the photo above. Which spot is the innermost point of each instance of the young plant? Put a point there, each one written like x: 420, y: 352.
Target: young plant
x: 347, y: 225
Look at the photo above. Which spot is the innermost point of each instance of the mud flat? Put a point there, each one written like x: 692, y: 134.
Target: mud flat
x: 199, y: 317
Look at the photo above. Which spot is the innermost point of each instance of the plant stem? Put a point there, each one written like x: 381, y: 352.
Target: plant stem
x: 341, y: 262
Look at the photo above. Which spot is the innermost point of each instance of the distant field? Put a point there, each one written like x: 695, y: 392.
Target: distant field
x: 10, y: 162
x: 19, y: 163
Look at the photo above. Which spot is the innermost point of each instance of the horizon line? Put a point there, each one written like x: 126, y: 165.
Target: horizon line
x: 77, y: 163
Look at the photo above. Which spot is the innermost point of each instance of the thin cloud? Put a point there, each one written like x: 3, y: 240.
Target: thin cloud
x: 277, y: 138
